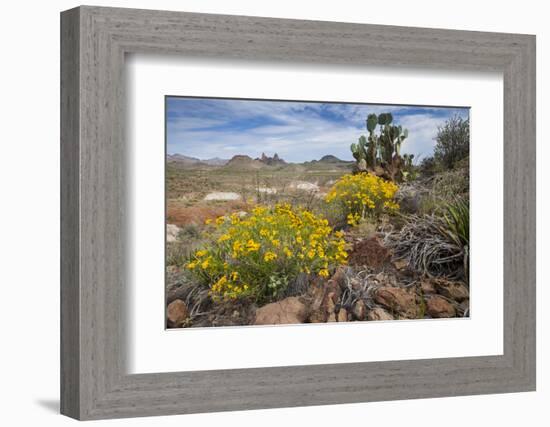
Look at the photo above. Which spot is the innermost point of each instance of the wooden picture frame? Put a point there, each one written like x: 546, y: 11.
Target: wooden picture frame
x: 94, y: 382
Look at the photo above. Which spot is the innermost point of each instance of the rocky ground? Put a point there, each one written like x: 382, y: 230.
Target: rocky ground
x: 374, y: 286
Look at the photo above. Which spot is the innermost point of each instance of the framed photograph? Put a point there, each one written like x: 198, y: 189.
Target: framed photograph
x: 261, y: 213
x: 323, y: 231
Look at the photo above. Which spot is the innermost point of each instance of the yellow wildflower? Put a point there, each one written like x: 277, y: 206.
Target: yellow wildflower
x: 224, y: 237
x: 268, y: 256
x: 252, y: 243
x: 252, y: 246
x: 363, y: 195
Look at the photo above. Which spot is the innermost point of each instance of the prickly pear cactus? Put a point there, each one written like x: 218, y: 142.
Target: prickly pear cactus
x: 382, y: 151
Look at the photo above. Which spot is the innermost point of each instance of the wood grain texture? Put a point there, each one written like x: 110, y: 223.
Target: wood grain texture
x: 70, y: 297
x: 94, y: 381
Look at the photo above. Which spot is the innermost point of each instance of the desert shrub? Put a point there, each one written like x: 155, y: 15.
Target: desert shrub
x: 433, y: 194
x: 363, y: 195
x: 189, y: 238
x: 450, y: 184
x: 258, y: 255
x: 452, y: 141
x: 175, y: 254
x: 189, y: 232
x: 429, y: 166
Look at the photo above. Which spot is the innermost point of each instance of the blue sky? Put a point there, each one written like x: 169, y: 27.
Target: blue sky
x: 297, y: 131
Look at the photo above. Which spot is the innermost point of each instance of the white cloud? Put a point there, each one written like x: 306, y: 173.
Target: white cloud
x: 296, y: 131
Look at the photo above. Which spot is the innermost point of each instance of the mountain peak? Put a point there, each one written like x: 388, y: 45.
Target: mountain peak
x: 329, y: 158
x: 271, y: 161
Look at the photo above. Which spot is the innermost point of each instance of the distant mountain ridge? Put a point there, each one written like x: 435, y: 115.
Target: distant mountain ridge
x: 215, y: 161
x: 247, y: 162
x: 187, y: 160
x: 182, y: 159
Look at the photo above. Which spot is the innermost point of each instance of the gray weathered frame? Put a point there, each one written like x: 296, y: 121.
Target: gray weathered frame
x: 94, y: 41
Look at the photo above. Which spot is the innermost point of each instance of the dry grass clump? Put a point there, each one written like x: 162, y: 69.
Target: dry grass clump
x: 425, y: 248
x: 432, y: 195
x: 435, y: 245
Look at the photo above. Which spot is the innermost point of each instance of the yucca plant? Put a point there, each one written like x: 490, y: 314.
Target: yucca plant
x: 457, y: 219
x: 457, y: 227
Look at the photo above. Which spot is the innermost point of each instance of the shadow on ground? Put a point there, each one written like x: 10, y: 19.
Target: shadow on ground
x: 51, y: 405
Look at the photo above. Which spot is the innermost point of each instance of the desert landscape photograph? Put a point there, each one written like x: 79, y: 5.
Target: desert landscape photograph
x: 296, y: 212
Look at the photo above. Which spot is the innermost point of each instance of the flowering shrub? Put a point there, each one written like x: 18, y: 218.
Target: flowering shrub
x: 363, y: 195
x: 256, y: 255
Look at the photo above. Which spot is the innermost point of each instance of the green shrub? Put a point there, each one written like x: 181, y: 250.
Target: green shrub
x: 450, y: 184
x: 452, y: 142
x: 429, y: 167
x: 189, y: 232
x: 177, y: 253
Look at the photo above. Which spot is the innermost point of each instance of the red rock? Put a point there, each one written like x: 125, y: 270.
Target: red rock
x: 342, y: 315
x: 378, y: 313
x: 176, y: 313
x: 439, y: 308
x: 339, y: 278
x: 428, y: 287
x: 452, y: 290
x: 317, y: 294
x: 400, y: 264
x: 287, y: 311
x: 323, y: 297
x: 360, y: 310
x: 397, y: 299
